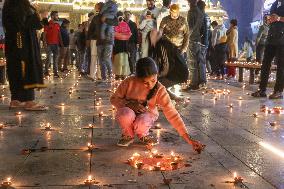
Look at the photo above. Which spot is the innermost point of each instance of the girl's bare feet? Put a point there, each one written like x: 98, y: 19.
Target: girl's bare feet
x: 33, y: 106
x: 16, y: 104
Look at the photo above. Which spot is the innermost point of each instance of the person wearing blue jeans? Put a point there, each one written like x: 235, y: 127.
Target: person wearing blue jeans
x: 104, y: 57
x: 52, y: 50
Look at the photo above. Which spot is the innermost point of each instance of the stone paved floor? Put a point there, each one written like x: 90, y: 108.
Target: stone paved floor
x: 58, y: 159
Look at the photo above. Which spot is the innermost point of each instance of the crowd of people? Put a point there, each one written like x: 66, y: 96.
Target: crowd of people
x: 161, y: 45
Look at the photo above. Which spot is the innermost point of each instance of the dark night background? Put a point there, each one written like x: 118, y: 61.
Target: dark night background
x: 244, y: 11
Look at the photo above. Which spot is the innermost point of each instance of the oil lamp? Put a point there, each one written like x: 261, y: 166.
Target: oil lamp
x: 18, y: 113
x: 237, y: 179
x: 157, y: 167
x: 7, y: 183
x: 1, y: 126
x: 48, y: 127
x: 101, y: 114
x: 89, y: 181
x: 255, y: 115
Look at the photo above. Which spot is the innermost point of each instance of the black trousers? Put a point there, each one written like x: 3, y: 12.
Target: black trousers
x: 14, y: 72
x: 271, y: 52
x: 132, y: 50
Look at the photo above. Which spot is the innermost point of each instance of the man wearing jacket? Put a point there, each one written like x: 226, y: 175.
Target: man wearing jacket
x: 274, y: 49
x: 132, y: 42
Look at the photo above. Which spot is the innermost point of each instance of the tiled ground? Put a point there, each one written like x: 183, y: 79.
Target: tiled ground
x: 59, y: 160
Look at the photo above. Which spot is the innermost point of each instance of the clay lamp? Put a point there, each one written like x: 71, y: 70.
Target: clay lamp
x: 203, y: 93
x: 90, y: 146
x: 139, y: 165
x: 237, y: 179
x: 174, y: 165
x: 231, y: 106
x: 113, y: 108
x: 89, y: 181
x: 90, y: 126
x: 62, y: 104
x: 18, y: 113
x: 48, y: 127
x: 273, y: 124
x: 157, y: 167
x: 7, y: 183
x: 240, y: 98
x: 255, y: 115
x: 2, y: 96
x: 101, y: 114
x: 1, y: 126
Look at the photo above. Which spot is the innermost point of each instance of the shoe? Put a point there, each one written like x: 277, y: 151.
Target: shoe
x: 203, y: 86
x: 46, y: 74
x: 148, y: 140
x: 56, y: 75
x: 193, y: 88
x: 125, y: 141
x: 259, y: 94
x: 276, y: 95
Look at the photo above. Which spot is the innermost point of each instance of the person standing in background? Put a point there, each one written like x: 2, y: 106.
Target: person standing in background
x: 197, y: 67
x: 52, y: 41
x: 261, y: 39
x: 146, y: 26
x: 165, y: 11
x: 152, y: 8
x: 232, y: 41
x: 132, y: 42
x: 72, y: 46
x: 24, y: 67
x: 64, y: 53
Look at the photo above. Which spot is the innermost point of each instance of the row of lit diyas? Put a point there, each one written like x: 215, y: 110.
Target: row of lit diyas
x: 155, y: 161
x: 244, y: 63
x: 274, y: 110
x: 217, y: 91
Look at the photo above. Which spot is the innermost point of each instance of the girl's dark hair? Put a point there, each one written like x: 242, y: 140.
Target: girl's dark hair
x: 146, y: 67
x: 234, y: 22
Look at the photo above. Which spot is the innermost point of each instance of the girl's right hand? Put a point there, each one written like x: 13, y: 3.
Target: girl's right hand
x: 136, y: 107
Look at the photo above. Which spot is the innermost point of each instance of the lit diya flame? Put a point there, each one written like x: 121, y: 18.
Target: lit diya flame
x: 240, y: 98
x: 1, y: 126
x: 7, y: 183
x: 91, y: 125
x: 2, y: 96
x: 90, y: 146
x: 255, y: 115
x: 231, y: 106
x: 48, y: 126
x: 18, y: 113
x: 62, y: 104
x: 101, y: 114
x: 237, y: 179
x: 157, y: 167
x: 89, y: 180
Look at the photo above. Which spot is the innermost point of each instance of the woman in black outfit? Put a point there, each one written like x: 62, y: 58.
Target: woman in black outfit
x: 24, y: 66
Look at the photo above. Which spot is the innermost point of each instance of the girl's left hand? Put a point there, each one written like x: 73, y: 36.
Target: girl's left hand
x: 197, y: 146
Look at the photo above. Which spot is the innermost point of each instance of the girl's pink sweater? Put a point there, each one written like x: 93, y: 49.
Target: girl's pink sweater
x: 133, y: 88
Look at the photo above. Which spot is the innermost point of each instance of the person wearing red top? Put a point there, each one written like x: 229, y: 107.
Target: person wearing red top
x: 52, y: 40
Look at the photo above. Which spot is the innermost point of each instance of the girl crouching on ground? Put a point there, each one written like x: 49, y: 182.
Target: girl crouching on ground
x: 136, y: 100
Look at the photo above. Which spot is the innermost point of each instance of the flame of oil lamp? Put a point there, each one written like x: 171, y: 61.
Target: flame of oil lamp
x: 1, y: 126
x: 157, y: 167
x: 90, y: 125
x: 174, y: 165
x: 139, y: 165
x: 98, y: 104
x: 89, y: 180
x: 237, y: 179
x: 136, y: 154
x: 101, y: 114
x: 2, y: 96
x: 47, y: 126
x: 113, y: 108
x: 203, y: 93
x: 18, y: 113
x: 130, y: 160
x: 231, y: 106
x: 273, y: 124
x: 62, y: 104
x: 90, y: 146
x: 7, y: 183
x: 240, y: 98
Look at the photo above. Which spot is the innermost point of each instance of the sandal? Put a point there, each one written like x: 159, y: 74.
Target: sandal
x: 36, y: 107
x: 16, y: 104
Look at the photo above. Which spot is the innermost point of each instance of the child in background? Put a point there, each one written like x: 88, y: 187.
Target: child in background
x: 136, y: 100
x: 109, y: 10
x: 146, y: 26
x: 220, y: 56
